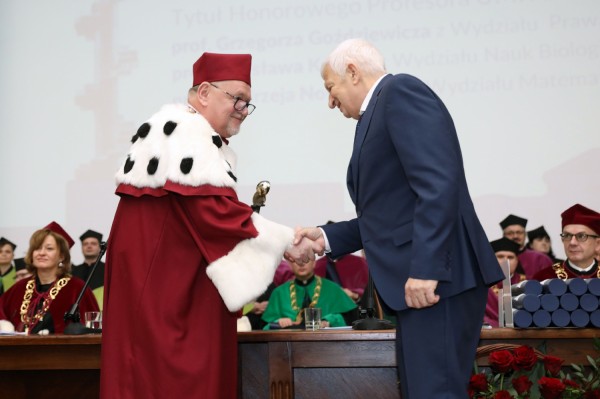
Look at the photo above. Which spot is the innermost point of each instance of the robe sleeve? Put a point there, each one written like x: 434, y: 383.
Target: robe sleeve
x: 242, y: 248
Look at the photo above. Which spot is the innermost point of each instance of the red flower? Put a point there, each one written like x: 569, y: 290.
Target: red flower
x: 551, y: 388
x: 502, y: 395
x: 525, y: 358
x: 522, y: 384
x: 553, y: 365
x: 501, y: 361
x: 478, y: 383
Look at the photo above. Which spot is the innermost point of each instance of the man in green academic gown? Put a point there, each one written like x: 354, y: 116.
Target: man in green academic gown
x: 307, y: 290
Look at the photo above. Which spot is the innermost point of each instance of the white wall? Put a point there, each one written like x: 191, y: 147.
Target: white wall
x: 520, y: 77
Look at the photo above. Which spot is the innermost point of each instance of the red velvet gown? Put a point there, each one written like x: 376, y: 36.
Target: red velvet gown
x: 10, y: 303
x: 558, y: 268
x: 184, y: 255
x: 351, y: 269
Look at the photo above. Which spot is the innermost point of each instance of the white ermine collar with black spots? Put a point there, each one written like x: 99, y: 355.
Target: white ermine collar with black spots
x: 178, y: 145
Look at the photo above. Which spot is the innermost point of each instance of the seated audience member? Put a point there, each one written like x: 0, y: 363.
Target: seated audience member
x: 286, y: 304
x: 21, y: 270
x: 349, y: 271
x: 7, y: 269
x: 90, y: 248
x: 513, y: 228
x: 38, y: 304
x: 581, y: 239
x: 506, y: 250
x: 539, y: 240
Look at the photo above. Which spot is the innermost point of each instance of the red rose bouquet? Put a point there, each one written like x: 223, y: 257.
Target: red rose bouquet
x: 524, y: 373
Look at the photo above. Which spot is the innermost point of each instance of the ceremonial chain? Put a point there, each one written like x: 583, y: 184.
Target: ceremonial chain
x: 314, y: 299
x: 559, y: 269
x: 29, y: 321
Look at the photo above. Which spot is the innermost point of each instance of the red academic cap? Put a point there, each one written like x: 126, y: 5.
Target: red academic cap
x: 57, y: 228
x: 213, y: 67
x: 579, y: 214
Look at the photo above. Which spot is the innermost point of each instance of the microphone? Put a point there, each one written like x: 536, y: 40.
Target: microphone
x: 74, y: 326
x: 260, y: 196
x: 367, y: 319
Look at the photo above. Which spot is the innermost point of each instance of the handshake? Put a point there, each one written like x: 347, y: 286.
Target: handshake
x: 308, y: 242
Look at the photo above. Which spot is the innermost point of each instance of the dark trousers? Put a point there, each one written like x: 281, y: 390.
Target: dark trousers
x: 435, y: 346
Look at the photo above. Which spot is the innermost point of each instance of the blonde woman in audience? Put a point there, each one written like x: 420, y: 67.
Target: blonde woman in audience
x: 38, y: 304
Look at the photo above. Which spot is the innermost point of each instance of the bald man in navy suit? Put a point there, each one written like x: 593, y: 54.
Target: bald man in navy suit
x: 427, y: 252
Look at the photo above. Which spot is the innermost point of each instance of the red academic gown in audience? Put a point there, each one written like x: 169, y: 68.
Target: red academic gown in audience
x: 11, y: 301
x: 184, y: 256
x: 283, y: 273
x: 557, y: 270
x: 533, y: 261
x: 491, y: 307
x: 352, y: 271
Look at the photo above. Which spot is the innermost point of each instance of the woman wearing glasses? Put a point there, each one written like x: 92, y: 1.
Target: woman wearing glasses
x: 581, y: 239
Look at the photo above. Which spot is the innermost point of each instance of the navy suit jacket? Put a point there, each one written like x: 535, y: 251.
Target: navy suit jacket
x: 415, y: 217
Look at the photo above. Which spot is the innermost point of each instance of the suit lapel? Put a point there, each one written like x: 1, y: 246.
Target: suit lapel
x: 362, y: 128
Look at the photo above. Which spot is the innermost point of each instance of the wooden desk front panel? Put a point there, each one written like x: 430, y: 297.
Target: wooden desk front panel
x: 317, y: 369
x: 50, y: 367
x: 272, y: 364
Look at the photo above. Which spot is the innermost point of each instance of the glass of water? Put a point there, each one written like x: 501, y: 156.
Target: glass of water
x: 312, y: 319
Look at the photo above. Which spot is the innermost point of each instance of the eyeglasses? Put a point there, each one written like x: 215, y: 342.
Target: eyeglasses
x: 580, y: 237
x: 239, y: 103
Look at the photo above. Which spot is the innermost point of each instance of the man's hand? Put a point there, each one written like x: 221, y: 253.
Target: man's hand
x: 420, y: 293
x: 308, y: 241
x: 285, y: 322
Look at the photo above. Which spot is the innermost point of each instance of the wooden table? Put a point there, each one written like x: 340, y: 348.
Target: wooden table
x: 359, y: 364
x: 278, y: 364
x: 53, y: 366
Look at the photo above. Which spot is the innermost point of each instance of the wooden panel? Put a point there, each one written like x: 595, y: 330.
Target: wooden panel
x: 50, y: 384
x: 344, y: 354
x: 253, y: 371
x: 281, y: 383
x: 48, y: 357
x: 335, y: 383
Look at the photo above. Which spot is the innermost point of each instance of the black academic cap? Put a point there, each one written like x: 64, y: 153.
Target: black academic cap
x: 540, y: 232
x: 504, y: 244
x: 91, y: 233
x: 20, y: 264
x: 511, y: 220
x: 4, y: 241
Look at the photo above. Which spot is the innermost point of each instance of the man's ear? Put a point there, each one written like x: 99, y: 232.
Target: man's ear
x: 353, y: 73
x: 203, y: 92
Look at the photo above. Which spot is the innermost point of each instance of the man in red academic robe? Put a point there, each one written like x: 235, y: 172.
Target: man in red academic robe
x: 184, y: 254
x: 581, y: 239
